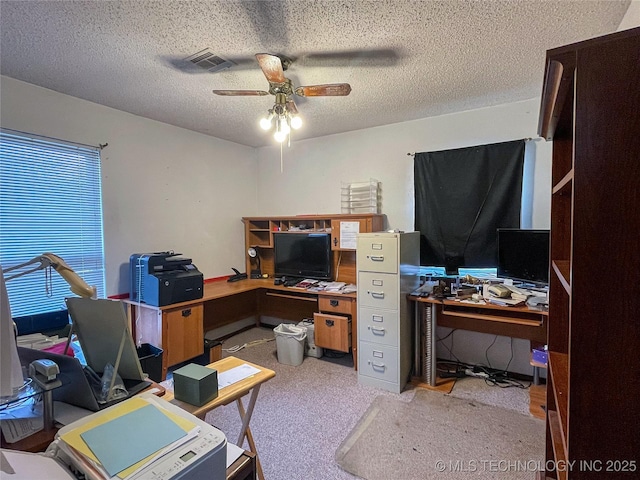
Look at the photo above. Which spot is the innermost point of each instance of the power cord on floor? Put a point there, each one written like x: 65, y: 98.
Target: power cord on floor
x: 237, y: 348
x: 492, y: 377
x: 497, y: 378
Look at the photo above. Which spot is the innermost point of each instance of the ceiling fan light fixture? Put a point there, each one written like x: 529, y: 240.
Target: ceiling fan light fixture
x: 266, y: 121
x: 284, y: 121
x: 284, y: 125
x: 280, y: 136
x: 284, y: 110
x: 296, y: 122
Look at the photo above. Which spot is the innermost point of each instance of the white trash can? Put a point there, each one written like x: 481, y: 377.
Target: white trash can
x: 310, y: 349
x: 290, y: 341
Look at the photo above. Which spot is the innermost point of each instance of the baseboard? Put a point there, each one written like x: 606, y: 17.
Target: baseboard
x: 231, y: 329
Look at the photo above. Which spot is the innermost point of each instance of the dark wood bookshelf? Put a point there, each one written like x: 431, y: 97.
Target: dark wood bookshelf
x: 590, y: 108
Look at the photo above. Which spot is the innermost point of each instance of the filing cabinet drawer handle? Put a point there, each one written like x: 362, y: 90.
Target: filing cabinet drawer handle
x: 334, y: 303
x: 329, y: 323
x: 378, y: 365
x: 377, y: 330
x: 186, y: 312
x: 377, y: 294
x: 376, y: 258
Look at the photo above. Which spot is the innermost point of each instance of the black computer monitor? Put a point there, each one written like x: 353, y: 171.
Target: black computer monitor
x: 302, y: 255
x: 523, y: 255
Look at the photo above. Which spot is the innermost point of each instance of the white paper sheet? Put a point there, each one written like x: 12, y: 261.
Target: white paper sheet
x: 27, y: 466
x: 21, y: 421
x: 233, y: 453
x: 65, y: 414
x: 235, y: 375
x: 349, y: 234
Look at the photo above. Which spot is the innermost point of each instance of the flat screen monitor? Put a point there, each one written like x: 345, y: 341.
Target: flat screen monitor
x: 523, y: 255
x: 303, y: 255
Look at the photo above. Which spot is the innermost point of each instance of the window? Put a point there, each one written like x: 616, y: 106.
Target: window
x: 50, y: 202
x: 462, y: 196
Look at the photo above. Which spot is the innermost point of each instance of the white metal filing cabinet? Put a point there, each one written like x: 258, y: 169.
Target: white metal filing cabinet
x: 387, y: 266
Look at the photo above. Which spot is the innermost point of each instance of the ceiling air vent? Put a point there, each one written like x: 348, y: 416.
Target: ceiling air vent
x: 207, y: 60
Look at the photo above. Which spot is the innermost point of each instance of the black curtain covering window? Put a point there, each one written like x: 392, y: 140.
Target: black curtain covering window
x: 462, y: 197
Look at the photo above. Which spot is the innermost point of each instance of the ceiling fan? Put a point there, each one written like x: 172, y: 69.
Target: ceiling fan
x: 284, y: 111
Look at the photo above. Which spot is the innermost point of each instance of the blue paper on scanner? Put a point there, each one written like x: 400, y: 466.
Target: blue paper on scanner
x: 126, y: 440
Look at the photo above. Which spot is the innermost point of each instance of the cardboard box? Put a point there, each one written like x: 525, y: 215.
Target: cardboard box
x: 195, y: 384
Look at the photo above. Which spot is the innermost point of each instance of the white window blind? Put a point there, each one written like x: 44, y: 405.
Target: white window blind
x: 50, y: 201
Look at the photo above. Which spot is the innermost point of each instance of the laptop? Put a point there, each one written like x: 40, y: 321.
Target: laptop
x: 103, y: 331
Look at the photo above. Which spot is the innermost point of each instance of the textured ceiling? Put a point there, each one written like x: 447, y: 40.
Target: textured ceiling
x: 404, y: 59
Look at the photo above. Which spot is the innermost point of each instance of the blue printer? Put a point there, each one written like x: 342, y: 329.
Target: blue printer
x: 163, y: 278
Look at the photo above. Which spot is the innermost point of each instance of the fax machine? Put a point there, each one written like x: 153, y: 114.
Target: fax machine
x: 163, y: 278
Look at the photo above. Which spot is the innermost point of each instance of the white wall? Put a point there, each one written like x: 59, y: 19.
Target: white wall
x: 632, y: 17
x: 163, y: 187
x: 314, y: 169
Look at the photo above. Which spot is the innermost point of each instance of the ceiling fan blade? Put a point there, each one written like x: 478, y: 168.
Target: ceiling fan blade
x: 384, y: 57
x: 271, y: 67
x: 291, y: 107
x: 326, y: 90
x: 243, y: 93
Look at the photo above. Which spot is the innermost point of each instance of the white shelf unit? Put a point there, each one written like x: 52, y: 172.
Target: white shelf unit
x: 361, y: 197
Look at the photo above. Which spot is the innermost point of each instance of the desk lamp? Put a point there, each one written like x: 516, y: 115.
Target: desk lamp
x: 253, y: 253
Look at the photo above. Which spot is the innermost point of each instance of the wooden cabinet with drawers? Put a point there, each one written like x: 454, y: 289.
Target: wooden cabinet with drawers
x: 184, y: 335
x: 334, y: 323
x: 387, y: 265
x: 177, y: 329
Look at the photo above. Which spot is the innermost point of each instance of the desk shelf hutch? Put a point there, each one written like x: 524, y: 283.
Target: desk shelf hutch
x: 259, y: 234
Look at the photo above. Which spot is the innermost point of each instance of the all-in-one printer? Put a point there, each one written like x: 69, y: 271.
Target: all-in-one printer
x: 163, y: 278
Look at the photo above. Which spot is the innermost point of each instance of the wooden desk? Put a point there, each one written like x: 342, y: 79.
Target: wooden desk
x: 179, y: 328
x: 232, y: 393
x: 517, y: 322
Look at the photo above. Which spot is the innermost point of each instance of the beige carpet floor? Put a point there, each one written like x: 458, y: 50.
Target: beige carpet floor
x: 306, y: 412
x: 441, y: 436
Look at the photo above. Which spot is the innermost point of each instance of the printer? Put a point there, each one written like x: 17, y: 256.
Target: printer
x: 195, y: 450
x: 163, y: 278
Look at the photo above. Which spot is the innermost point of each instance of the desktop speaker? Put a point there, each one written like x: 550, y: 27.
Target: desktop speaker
x: 195, y: 384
